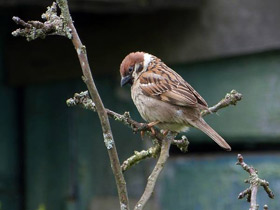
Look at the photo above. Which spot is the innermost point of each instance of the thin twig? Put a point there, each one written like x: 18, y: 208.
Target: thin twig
x: 255, y: 182
x: 164, y: 154
x: 138, y: 156
x: 230, y: 99
x: 153, y: 152
x: 52, y: 25
x: 265, y: 185
x: 82, y: 99
x: 182, y: 144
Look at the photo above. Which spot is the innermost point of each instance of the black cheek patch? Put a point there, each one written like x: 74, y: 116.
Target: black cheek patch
x: 140, y: 68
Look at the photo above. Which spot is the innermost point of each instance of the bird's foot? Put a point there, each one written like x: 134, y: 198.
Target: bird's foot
x: 150, y: 127
x: 164, y: 132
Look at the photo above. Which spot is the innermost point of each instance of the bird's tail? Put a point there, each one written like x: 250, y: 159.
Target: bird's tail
x: 203, y: 126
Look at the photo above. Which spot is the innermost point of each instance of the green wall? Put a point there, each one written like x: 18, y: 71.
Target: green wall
x: 66, y: 163
x: 200, y: 182
x: 66, y: 156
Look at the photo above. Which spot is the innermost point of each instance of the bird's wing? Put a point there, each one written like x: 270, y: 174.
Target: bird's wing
x: 168, y: 86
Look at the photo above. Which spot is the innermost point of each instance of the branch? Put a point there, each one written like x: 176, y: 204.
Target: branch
x: 138, y: 156
x: 164, y: 154
x: 103, y: 117
x: 182, y: 144
x: 63, y: 25
x: 230, y: 99
x: 254, y: 182
x: 82, y: 99
x: 52, y: 25
x: 153, y: 152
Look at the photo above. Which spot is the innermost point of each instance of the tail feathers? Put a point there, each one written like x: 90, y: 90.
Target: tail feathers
x: 203, y: 126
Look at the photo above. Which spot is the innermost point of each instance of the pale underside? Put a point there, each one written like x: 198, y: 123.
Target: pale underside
x: 171, y: 117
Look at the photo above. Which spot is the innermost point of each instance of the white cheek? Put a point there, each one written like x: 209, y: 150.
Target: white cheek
x: 134, y: 74
x: 147, y: 60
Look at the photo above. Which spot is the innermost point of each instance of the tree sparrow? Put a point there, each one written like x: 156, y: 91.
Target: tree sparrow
x: 163, y: 97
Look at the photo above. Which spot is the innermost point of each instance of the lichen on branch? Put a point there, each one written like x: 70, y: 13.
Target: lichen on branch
x: 138, y: 156
x: 230, y: 99
x: 53, y: 24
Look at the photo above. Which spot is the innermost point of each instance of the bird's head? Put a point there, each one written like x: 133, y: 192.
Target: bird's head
x: 132, y: 65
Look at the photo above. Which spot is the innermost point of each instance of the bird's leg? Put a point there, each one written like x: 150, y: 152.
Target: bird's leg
x: 142, y: 134
x: 150, y: 126
x: 165, y: 132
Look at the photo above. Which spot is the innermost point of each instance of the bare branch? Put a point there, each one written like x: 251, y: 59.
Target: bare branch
x: 52, y: 25
x: 254, y: 182
x: 164, y: 154
x: 265, y: 185
x: 63, y: 25
x: 182, y: 143
x: 82, y: 99
x: 138, y: 156
x: 245, y: 193
x: 153, y: 152
x: 230, y: 99
x: 107, y: 133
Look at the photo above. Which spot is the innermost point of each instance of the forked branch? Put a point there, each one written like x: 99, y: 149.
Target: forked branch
x: 164, y: 154
x: 255, y: 182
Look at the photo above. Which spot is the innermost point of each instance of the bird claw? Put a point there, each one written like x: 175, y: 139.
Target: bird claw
x: 139, y: 127
x: 165, y: 132
x: 142, y: 133
x: 145, y: 127
x: 151, y: 127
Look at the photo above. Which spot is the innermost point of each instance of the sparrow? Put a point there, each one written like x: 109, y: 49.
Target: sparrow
x: 163, y: 98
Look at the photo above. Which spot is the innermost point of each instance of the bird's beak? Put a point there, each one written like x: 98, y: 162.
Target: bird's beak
x: 125, y: 80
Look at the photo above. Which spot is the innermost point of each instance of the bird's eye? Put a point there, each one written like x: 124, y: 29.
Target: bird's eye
x: 130, y: 69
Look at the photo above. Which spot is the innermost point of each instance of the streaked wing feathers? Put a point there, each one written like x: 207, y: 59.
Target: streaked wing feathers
x: 170, y: 87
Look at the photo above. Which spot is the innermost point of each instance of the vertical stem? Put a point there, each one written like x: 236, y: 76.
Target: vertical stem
x: 164, y: 154
x: 254, y: 205
x: 107, y: 133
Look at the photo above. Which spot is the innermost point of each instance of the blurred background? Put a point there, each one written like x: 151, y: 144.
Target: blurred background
x: 53, y: 157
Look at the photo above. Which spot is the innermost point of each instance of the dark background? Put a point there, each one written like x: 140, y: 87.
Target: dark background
x: 53, y: 157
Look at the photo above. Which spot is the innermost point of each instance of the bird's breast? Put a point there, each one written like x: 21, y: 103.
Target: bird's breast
x: 151, y: 109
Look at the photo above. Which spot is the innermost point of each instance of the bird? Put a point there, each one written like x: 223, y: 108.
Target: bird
x: 163, y: 98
